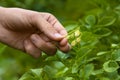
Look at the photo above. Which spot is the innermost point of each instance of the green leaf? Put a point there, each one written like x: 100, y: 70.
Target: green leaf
x: 37, y: 72
x: 86, y: 71
x: 103, y: 32
x: 107, y: 20
x: 75, y: 68
x: 110, y: 66
x: 62, y: 55
x: 90, y: 19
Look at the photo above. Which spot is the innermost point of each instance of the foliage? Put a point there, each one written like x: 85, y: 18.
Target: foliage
x: 95, y: 40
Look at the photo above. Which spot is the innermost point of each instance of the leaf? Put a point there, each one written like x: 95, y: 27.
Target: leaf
x: 110, y: 66
x: 37, y: 72
x: 86, y: 71
x: 62, y: 56
x: 107, y: 20
x: 75, y: 68
x: 103, y: 32
x: 90, y: 19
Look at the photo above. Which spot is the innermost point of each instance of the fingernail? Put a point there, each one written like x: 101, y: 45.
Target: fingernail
x: 63, y: 32
x: 57, y: 35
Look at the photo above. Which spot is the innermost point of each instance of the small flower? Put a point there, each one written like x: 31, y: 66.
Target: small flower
x: 77, y: 33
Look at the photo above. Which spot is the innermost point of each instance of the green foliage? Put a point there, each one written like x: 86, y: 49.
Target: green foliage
x: 95, y: 40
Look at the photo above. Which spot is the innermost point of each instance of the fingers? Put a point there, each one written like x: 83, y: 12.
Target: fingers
x: 65, y: 48
x: 63, y: 42
x: 62, y: 45
x: 46, y: 47
x: 47, y: 28
x: 31, y: 49
x: 54, y: 31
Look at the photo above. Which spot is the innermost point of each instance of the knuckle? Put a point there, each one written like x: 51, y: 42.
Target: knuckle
x: 41, y: 44
x: 51, y: 15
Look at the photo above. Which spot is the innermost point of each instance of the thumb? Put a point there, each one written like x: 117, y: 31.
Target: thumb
x: 48, y: 29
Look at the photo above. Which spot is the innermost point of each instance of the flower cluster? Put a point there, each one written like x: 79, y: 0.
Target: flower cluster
x: 74, y: 36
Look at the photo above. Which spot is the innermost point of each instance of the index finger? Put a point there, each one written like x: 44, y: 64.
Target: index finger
x: 55, y: 23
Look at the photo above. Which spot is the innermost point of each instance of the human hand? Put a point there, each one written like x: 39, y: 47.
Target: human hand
x: 32, y: 32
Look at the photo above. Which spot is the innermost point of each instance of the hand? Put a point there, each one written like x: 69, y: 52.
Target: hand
x: 32, y: 32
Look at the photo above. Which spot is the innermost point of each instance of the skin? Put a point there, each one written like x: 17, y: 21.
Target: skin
x: 32, y: 32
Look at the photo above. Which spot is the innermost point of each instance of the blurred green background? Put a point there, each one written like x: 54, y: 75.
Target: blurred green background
x: 13, y: 63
